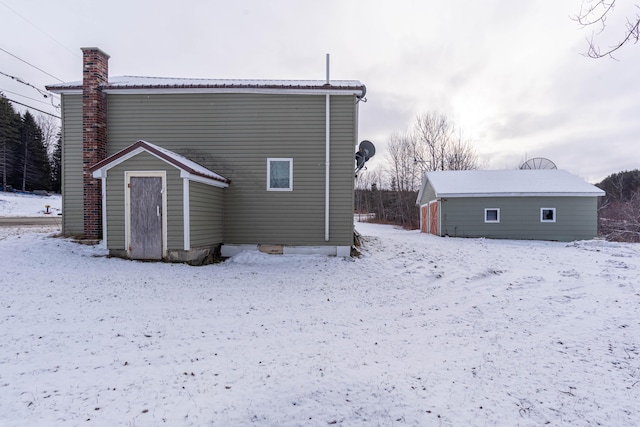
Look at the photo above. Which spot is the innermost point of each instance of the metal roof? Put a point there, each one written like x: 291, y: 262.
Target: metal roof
x: 157, y: 84
x: 508, y: 183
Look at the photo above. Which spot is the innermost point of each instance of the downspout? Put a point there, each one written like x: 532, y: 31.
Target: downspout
x: 327, y: 155
x: 186, y: 214
x: 103, y: 182
x: 439, y: 217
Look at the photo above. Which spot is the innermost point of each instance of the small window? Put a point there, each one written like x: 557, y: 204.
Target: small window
x: 547, y: 214
x: 492, y: 215
x: 279, y: 174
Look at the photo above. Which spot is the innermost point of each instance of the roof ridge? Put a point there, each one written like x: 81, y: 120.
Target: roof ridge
x: 228, y: 79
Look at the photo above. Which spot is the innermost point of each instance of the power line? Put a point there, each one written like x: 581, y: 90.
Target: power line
x: 24, y: 96
x: 19, y: 80
x: 39, y: 69
x: 28, y: 106
x: 42, y: 31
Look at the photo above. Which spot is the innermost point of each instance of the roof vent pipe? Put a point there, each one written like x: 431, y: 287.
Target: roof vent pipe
x: 328, y: 63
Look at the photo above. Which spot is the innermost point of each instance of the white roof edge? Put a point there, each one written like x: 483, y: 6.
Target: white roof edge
x: 191, y: 177
x: 209, y: 180
x: 151, y: 90
x: 569, y: 194
x: 162, y: 91
x: 102, y: 172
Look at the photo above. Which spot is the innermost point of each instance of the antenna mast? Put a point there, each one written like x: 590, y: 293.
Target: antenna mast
x: 328, y: 66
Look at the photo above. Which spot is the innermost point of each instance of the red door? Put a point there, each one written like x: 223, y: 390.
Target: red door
x: 425, y: 218
x: 433, y: 218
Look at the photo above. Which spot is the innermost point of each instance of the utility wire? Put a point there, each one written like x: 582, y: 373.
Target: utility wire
x: 39, y: 69
x: 28, y: 106
x: 42, y: 31
x: 24, y: 96
x: 41, y: 92
x: 19, y: 80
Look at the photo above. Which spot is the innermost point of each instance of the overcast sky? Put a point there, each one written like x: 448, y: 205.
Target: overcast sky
x: 509, y: 73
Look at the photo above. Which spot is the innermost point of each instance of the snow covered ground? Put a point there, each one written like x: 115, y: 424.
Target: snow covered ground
x: 419, y: 331
x: 29, y: 205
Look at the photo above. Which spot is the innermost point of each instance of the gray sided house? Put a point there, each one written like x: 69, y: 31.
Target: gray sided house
x: 509, y: 204
x: 166, y: 168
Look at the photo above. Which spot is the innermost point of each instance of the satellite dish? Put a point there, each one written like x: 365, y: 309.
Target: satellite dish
x: 366, y: 150
x: 538, y: 163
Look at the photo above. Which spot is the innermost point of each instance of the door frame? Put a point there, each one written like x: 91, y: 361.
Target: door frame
x: 127, y: 206
x: 424, y: 218
x: 436, y: 220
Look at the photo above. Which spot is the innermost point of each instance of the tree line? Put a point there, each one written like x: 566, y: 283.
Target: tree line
x: 30, y: 151
x: 432, y: 143
x: 619, y: 209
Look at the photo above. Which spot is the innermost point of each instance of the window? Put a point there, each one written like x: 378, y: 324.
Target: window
x: 492, y: 215
x: 279, y: 174
x: 547, y: 214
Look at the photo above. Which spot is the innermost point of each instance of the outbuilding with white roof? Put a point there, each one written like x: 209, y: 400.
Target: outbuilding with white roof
x: 543, y: 204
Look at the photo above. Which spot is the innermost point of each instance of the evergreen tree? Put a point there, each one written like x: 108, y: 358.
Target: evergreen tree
x: 34, y: 170
x: 9, y: 140
x: 56, y: 165
x: 621, y: 186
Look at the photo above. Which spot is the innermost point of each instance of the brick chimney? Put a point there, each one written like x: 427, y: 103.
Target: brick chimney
x: 95, y: 74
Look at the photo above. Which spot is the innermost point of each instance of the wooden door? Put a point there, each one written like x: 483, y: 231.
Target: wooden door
x: 433, y: 218
x: 146, y: 217
x: 424, y: 210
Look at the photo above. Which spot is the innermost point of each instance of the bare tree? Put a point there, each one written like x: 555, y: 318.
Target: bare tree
x: 363, y: 180
x: 461, y: 154
x: 441, y: 146
x: 50, y: 127
x: 619, y: 220
x: 403, y: 170
x: 367, y: 201
x: 618, y: 186
x: 433, y: 143
x: 595, y: 13
x: 433, y: 133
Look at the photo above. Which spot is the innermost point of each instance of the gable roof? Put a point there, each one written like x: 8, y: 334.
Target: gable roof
x: 508, y: 183
x: 188, y: 168
x: 138, y: 84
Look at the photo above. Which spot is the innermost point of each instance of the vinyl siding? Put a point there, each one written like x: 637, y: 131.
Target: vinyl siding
x: 206, y: 209
x: 233, y: 135
x: 116, y: 200
x: 428, y: 194
x: 576, y: 218
x: 72, y: 191
x: 342, y: 166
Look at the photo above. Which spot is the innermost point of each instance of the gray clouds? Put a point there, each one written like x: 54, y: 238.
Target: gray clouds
x: 510, y: 74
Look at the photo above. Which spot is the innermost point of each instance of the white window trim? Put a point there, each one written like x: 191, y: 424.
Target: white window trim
x: 491, y: 221
x: 548, y: 220
x: 280, y: 159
